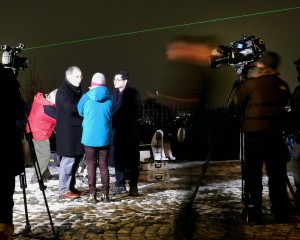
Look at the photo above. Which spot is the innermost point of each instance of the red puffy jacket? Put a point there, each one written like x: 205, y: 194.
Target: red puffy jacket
x: 42, y: 118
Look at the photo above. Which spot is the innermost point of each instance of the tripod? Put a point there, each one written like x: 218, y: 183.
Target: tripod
x: 188, y: 208
x: 23, y: 183
x: 241, y: 72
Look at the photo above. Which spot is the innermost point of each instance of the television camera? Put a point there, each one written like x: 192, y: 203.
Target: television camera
x: 239, y: 53
x: 10, y: 59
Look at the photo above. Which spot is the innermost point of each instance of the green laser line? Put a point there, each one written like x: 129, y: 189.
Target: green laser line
x: 163, y: 28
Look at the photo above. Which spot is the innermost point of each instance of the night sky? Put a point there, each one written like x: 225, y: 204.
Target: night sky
x: 108, y: 36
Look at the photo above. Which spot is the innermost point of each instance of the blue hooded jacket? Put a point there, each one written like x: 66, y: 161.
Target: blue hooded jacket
x: 95, y: 107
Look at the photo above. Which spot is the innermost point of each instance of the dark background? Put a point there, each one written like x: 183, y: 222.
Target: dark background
x: 108, y: 36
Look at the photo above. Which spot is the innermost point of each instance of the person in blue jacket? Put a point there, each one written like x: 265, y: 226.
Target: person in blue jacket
x: 95, y: 107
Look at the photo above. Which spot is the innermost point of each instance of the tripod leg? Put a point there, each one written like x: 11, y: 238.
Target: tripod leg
x: 23, y: 185
x: 245, y: 194
x: 42, y: 188
x: 40, y: 180
x: 29, y: 137
x: 291, y: 188
x: 245, y: 191
x: 81, y: 166
x: 248, y: 213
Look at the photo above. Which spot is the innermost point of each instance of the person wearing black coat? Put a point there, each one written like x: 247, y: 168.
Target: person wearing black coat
x: 295, y: 157
x: 263, y: 98
x: 12, y: 166
x: 124, y: 153
x: 68, y: 132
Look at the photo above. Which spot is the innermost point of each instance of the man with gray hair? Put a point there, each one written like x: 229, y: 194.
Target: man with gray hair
x: 69, y: 132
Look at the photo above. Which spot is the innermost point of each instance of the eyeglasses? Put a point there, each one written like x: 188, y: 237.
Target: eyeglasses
x: 78, y: 76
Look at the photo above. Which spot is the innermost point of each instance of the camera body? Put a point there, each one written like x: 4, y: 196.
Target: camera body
x: 242, y: 52
x: 10, y: 58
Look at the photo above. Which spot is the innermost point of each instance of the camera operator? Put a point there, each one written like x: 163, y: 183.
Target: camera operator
x: 295, y: 158
x: 14, y: 165
x: 263, y: 98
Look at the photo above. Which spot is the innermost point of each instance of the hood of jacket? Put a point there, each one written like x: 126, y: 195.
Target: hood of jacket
x: 259, y: 72
x: 40, y: 99
x: 99, y: 94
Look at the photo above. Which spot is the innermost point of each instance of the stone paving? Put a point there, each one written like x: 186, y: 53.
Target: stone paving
x: 163, y: 210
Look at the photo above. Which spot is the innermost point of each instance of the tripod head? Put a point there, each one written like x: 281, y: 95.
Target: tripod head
x: 241, y: 71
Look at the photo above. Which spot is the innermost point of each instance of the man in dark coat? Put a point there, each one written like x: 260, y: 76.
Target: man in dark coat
x: 14, y: 165
x: 263, y: 98
x: 295, y: 158
x: 124, y: 153
x: 68, y: 132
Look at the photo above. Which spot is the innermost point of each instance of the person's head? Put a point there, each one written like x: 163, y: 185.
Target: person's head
x: 268, y: 59
x: 51, y: 96
x: 121, y: 79
x: 74, y: 75
x: 98, y: 79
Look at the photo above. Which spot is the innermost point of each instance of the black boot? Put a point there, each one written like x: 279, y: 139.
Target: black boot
x: 105, y: 197
x: 133, y: 191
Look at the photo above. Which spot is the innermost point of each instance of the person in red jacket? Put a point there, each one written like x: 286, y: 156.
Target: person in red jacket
x: 41, y: 123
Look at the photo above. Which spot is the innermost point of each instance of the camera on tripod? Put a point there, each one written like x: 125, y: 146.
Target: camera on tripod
x: 239, y: 53
x: 10, y: 58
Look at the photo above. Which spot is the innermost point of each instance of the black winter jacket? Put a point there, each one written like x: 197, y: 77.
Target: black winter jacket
x: 263, y: 100
x: 69, y: 122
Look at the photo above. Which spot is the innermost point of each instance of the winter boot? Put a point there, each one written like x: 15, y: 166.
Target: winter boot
x: 6, y: 231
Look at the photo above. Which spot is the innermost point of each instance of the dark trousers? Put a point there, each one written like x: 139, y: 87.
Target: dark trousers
x: 97, y: 157
x: 125, y: 158
x: 7, y: 183
x: 268, y: 148
x: 10, y: 168
x: 130, y: 172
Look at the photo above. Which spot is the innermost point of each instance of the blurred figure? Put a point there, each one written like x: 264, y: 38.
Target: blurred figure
x: 14, y: 165
x: 295, y: 158
x: 41, y: 123
x: 124, y: 153
x: 96, y: 106
x: 169, y: 99
x: 263, y: 98
x: 192, y: 49
x: 69, y: 132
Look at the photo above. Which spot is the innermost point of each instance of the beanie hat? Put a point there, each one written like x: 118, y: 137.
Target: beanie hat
x: 270, y: 59
x: 98, y: 80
